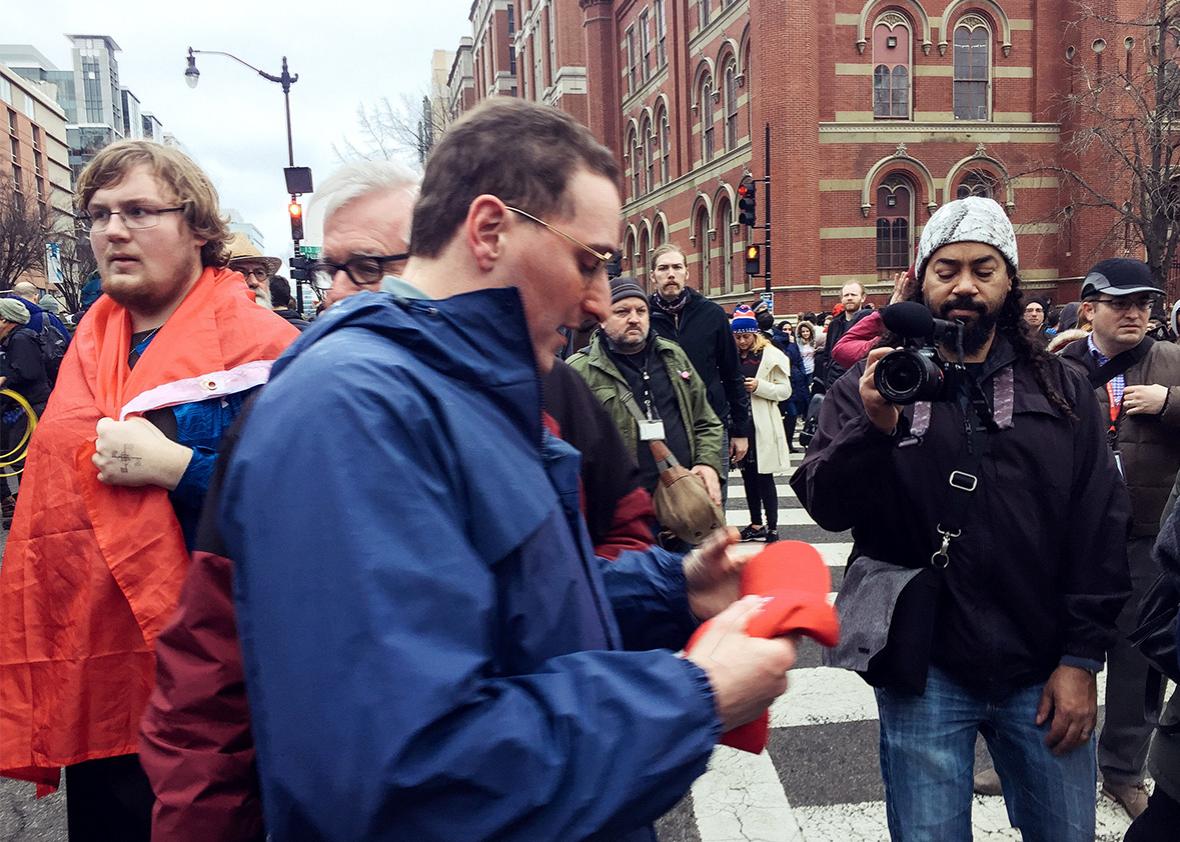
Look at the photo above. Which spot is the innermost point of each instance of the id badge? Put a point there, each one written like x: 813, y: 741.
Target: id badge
x: 651, y: 430
x: 1118, y: 463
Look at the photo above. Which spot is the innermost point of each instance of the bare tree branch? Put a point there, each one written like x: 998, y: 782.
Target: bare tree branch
x: 24, y: 231
x: 405, y: 130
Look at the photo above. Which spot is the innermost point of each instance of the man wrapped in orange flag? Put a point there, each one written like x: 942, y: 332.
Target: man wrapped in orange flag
x: 115, y: 478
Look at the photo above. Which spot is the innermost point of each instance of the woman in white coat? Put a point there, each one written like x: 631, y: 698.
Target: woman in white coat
x: 767, y: 373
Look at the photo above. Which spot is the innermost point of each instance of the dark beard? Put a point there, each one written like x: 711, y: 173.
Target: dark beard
x: 977, y: 332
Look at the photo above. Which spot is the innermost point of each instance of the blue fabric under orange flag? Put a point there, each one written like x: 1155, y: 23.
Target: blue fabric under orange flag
x: 794, y: 578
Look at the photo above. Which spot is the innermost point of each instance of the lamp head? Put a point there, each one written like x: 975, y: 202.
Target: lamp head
x: 191, y: 74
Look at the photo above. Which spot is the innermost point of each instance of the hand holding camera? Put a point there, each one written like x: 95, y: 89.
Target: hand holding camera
x: 881, y: 412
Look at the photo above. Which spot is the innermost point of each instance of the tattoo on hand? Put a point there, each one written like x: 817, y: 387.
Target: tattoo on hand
x: 126, y: 459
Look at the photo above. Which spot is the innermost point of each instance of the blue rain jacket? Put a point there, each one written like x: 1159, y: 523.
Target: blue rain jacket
x: 432, y: 650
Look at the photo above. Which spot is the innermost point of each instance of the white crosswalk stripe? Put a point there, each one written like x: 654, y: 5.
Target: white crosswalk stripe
x: 818, y: 780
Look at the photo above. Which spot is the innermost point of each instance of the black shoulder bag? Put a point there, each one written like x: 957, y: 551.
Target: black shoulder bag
x: 889, y: 644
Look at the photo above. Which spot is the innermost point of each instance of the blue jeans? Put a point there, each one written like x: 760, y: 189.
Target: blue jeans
x: 928, y: 756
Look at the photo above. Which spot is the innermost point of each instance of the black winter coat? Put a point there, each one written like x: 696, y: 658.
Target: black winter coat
x: 1040, y: 571
x: 702, y: 329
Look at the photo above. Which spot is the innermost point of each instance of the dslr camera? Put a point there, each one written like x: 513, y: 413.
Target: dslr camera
x: 918, y: 372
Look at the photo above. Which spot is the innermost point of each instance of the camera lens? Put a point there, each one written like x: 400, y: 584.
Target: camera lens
x: 906, y: 377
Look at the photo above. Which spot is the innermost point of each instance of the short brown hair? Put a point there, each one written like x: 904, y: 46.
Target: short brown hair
x: 179, y: 173
x: 666, y: 248
x: 519, y: 151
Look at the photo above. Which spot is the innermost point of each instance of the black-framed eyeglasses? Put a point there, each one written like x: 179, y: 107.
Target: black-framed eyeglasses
x: 258, y: 272
x: 135, y: 217
x: 1123, y: 305
x: 602, y: 257
x: 364, y: 270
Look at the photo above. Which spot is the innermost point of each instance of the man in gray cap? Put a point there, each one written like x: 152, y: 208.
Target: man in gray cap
x: 988, y: 530
x: 1137, y: 382
x: 23, y: 371
x: 623, y: 359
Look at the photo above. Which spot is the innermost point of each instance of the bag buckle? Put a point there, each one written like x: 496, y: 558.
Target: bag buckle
x: 963, y: 481
x: 942, y: 556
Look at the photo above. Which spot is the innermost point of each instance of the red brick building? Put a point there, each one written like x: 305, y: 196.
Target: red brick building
x: 879, y: 111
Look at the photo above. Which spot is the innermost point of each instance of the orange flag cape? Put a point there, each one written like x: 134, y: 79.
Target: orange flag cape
x: 92, y: 572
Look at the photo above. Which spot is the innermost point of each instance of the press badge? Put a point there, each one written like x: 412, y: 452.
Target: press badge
x: 651, y: 430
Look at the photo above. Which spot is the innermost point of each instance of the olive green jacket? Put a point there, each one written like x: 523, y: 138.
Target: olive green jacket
x: 704, y: 429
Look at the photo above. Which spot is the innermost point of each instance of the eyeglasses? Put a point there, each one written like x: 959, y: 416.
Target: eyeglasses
x: 258, y: 272
x: 1122, y: 305
x: 362, y: 269
x: 136, y: 218
x: 601, y: 257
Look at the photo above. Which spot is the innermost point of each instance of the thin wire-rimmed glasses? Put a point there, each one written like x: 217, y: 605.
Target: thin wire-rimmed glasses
x: 363, y: 270
x: 135, y: 217
x: 600, y: 256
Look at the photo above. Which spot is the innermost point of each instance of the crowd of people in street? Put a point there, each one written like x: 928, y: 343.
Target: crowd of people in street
x: 450, y: 561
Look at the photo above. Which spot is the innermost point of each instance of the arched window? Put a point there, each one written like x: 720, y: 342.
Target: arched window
x: 629, y: 254
x: 895, y: 225
x: 729, y: 86
x: 892, y: 42
x: 652, y: 153
x: 706, y: 106
x: 658, y: 235
x: 972, y: 68
x: 977, y: 183
x: 723, y: 223
x: 665, y: 144
x: 702, y: 235
x: 636, y: 165
x: 643, y: 262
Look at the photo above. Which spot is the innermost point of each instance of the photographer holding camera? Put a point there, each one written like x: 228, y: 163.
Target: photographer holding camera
x: 989, y: 559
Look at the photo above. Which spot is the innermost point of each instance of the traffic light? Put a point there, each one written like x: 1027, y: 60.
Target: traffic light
x: 748, y: 201
x: 301, y: 268
x: 753, y: 260
x: 296, y: 212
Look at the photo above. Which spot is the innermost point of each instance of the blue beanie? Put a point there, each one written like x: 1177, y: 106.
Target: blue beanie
x: 744, y: 320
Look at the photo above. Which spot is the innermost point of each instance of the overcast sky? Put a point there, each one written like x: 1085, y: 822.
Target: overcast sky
x: 352, y: 53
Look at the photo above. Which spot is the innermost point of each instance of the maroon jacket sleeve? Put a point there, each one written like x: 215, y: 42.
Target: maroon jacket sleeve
x: 195, y: 742
x: 858, y: 340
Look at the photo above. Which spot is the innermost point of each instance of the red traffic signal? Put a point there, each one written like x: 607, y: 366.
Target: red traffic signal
x: 748, y: 201
x: 295, y: 210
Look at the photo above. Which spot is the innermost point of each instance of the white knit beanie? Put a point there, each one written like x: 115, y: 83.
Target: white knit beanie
x: 970, y: 220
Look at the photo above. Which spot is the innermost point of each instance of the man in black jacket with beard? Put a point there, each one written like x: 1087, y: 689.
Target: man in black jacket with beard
x: 1005, y: 498
x: 701, y: 328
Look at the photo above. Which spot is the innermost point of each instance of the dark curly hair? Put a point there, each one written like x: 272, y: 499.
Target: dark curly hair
x: 1011, y: 325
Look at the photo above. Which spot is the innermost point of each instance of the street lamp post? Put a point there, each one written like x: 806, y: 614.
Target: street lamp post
x: 298, y: 178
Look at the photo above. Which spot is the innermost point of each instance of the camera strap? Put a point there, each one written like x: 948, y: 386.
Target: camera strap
x: 978, y: 421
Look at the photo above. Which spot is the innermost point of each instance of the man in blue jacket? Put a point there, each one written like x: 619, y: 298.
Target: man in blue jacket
x: 438, y: 654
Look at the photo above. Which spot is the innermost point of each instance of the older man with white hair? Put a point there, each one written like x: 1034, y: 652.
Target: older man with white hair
x: 196, y: 745
x: 367, y: 206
